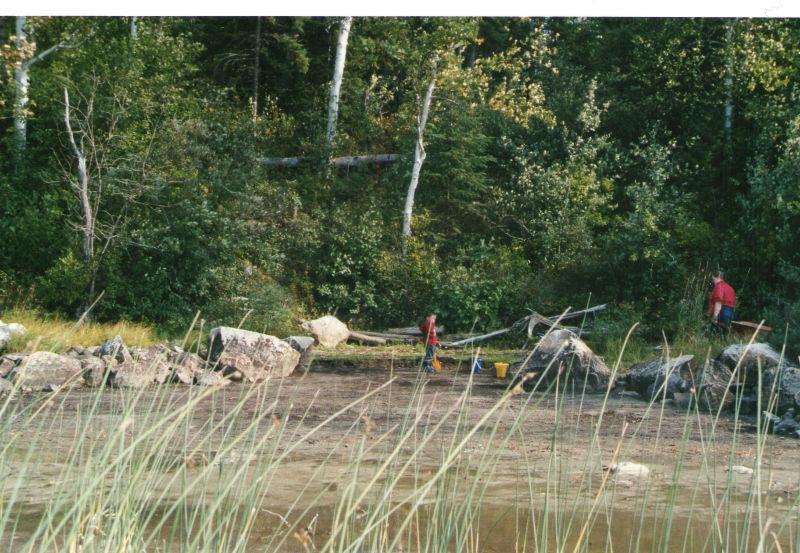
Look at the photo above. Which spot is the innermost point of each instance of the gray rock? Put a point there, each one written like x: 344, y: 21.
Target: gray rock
x: 647, y: 378
x: 9, y: 331
x: 131, y: 375
x: 210, y: 378
x: 9, y: 361
x: 116, y: 348
x: 562, y: 352
x: 328, y: 330
x: 750, y: 358
x: 94, y: 370
x: 787, y: 426
x: 186, y: 366
x: 711, y: 387
x: 43, y: 368
x: 781, y: 385
x: 154, y: 360
x: 76, y: 352
x: 6, y: 387
x: 627, y: 469
x: 254, y: 355
x: 305, y: 346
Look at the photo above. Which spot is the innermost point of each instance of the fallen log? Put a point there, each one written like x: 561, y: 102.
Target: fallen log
x: 365, y: 339
x: 531, y: 321
x: 341, y: 162
x: 404, y: 338
x: 411, y: 331
x: 467, y: 341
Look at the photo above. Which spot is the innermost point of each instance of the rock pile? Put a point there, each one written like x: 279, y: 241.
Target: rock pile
x: 234, y: 354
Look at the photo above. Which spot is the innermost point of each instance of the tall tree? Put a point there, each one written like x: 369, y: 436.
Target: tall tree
x: 256, y: 60
x: 419, y: 159
x: 336, y: 82
x: 26, y: 50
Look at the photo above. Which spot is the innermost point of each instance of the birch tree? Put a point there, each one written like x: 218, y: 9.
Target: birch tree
x: 336, y: 82
x: 256, y: 68
x: 27, y: 49
x: 419, y: 159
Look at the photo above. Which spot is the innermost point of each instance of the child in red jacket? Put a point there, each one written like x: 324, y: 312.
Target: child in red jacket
x: 428, y: 328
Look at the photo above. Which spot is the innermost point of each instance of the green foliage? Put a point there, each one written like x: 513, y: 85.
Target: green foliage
x: 566, y: 159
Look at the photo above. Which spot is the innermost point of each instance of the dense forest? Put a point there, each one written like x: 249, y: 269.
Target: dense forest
x: 535, y: 164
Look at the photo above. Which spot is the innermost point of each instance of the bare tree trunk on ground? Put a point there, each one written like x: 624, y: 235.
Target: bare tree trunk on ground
x: 419, y: 159
x: 336, y: 83
x: 341, y: 162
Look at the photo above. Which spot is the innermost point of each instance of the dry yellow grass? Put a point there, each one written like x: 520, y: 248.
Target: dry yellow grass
x: 52, y: 333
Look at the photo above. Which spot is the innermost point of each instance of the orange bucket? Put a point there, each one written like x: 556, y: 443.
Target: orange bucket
x: 501, y: 369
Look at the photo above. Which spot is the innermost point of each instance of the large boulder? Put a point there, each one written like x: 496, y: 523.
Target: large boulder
x: 304, y: 345
x: 43, y: 369
x: 6, y: 387
x: 750, y: 358
x: 131, y: 375
x: 328, y: 330
x: 252, y: 355
x: 781, y: 387
x: 9, y: 331
x: 711, y: 386
x: 647, y: 378
x: 562, y: 352
x: 116, y: 348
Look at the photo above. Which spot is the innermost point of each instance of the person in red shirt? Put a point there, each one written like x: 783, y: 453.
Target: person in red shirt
x: 721, y: 303
x: 428, y: 328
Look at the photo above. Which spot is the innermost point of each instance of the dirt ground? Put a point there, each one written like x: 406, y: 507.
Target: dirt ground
x: 542, y: 452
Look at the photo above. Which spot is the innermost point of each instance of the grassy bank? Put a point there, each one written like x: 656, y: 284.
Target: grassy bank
x: 50, y: 332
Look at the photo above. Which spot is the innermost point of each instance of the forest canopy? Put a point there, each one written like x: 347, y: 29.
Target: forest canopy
x: 548, y: 161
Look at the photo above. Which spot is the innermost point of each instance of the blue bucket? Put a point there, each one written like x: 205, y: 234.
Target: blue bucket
x: 475, y: 364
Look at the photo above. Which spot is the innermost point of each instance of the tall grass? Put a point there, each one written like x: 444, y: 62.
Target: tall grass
x: 49, y: 332
x: 407, y: 465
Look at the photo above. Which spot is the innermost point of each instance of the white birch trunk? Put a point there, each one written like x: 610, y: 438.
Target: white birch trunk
x: 22, y: 81
x: 134, y: 30
x: 256, y: 69
x: 21, y: 85
x: 87, y: 214
x: 419, y: 159
x: 336, y: 83
x: 728, y: 114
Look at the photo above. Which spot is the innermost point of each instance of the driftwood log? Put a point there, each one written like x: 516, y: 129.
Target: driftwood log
x: 341, y: 162
x: 366, y: 339
x: 530, y: 322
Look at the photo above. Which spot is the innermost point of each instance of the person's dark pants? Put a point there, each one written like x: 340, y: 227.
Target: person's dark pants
x: 724, y: 320
x: 726, y: 316
x: 427, y: 362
